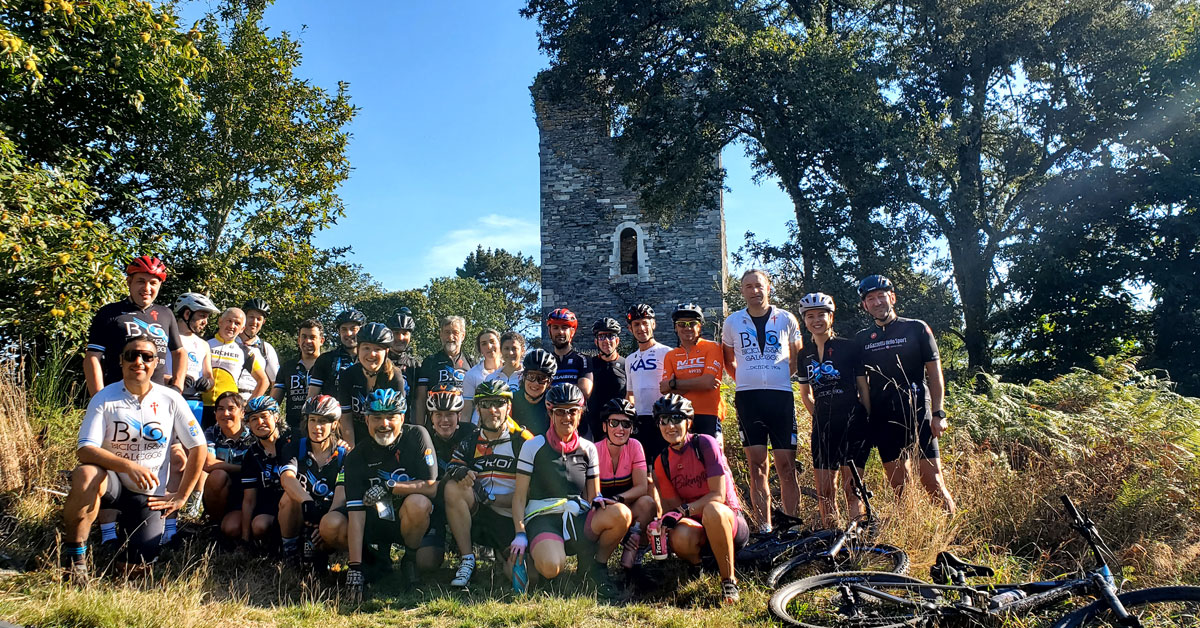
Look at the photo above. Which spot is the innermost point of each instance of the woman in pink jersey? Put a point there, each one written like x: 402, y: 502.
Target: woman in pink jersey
x: 696, y: 492
x: 623, y: 475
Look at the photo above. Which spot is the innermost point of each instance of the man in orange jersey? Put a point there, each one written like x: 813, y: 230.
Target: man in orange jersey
x: 694, y: 370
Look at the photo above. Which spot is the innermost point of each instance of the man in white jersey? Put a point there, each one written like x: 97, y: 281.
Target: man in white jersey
x: 123, y: 446
x: 762, y: 348
x: 643, y: 372
x: 256, y: 311
x: 192, y: 311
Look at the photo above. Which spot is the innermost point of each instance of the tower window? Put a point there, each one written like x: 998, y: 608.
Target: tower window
x: 629, y: 252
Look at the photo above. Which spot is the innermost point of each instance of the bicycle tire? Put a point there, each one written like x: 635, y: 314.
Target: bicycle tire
x: 854, y: 557
x: 839, y: 612
x: 1155, y: 608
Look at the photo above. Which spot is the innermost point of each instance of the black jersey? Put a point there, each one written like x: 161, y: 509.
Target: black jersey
x: 329, y: 367
x: 531, y: 416
x: 117, y: 323
x: 319, y: 481
x: 572, y: 367
x: 440, y: 368
x: 353, y: 387
x: 293, y: 381
x: 832, y: 375
x: 410, y: 457
x: 555, y: 475
x: 894, y: 357
x: 409, y: 365
x: 226, y: 449
x: 608, y: 383
x: 445, y: 447
x: 261, y: 470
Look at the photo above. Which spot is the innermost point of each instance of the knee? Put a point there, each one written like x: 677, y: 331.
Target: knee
x: 550, y: 566
x: 416, y: 507
x: 644, y: 508
x: 216, y: 481
x: 785, y: 462
x: 231, y: 525
x: 261, y: 525
x: 86, y: 478
x: 333, y: 528
x: 178, y: 457
x: 715, y: 513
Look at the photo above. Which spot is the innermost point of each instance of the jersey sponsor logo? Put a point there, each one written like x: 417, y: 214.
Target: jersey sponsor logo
x: 297, y: 381
x: 315, y: 485
x: 193, y: 428
x: 396, y: 475
x: 450, y: 375
x: 138, y: 327
x: 270, y: 473
x: 750, y: 339
x: 429, y: 459
x: 643, y: 363
x: 128, y: 429
x: 820, y: 373
x: 691, y: 363
x: 884, y: 344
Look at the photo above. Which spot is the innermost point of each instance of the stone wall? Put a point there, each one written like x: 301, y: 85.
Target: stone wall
x: 585, y: 207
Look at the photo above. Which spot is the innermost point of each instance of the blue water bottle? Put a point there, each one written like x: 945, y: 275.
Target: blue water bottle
x: 520, y: 578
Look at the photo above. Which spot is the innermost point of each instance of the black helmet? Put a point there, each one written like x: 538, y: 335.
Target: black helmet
x: 564, y: 394
x: 376, y: 334
x: 638, y: 311
x: 540, y: 360
x: 349, y: 316
x: 689, y: 311
x: 257, y: 304
x: 618, y: 405
x: 872, y: 283
x: 606, y: 325
x: 673, y: 404
x: 401, y: 320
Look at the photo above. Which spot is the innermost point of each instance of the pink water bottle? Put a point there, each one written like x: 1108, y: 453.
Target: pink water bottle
x: 658, y: 540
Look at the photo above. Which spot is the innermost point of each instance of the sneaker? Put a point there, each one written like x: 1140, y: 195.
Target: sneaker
x: 598, y: 572
x: 79, y: 574
x: 194, y: 506
x: 408, y: 567
x: 466, y: 567
x: 729, y: 591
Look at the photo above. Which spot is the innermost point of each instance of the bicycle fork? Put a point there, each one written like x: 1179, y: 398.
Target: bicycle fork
x: 1108, y: 592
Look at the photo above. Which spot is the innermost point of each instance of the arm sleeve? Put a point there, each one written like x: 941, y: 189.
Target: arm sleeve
x: 251, y: 471
x: 317, y: 375
x: 707, y: 447
x: 470, y: 383
x: 428, y: 469
x: 593, y: 458
x: 91, y: 431
x: 354, y: 479
x: 210, y: 438
x: 802, y: 368
x: 794, y: 333
x: 423, y: 374
x: 668, y: 369
x: 291, y: 458
x: 637, y: 455
x: 344, y: 395
x: 929, y: 350
x: 727, y: 334
x: 272, y: 360
x: 463, y: 454
x: 96, y: 339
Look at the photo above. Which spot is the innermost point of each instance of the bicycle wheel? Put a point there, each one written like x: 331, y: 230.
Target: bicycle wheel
x: 1159, y: 607
x: 838, y: 600
x: 854, y: 557
x: 777, y: 548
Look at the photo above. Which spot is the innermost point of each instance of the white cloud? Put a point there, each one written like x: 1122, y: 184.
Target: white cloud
x: 493, y: 231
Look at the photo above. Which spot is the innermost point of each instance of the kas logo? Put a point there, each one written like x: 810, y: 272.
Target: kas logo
x: 645, y: 364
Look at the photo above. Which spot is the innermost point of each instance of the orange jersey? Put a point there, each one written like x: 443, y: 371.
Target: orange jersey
x: 705, y: 357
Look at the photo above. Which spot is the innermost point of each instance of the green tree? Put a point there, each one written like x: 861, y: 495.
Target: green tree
x: 516, y: 277
x: 481, y: 307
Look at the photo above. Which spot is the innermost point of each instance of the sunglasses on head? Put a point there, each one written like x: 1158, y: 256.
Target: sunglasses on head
x: 145, y: 356
x: 536, y: 378
x: 622, y: 423
x: 671, y: 419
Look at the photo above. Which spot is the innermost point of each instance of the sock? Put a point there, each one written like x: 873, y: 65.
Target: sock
x: 77, y: 552
x: 291, y: 545
x: 108, y: 532
x: 169, y: 530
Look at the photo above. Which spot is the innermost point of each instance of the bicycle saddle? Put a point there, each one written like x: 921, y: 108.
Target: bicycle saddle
x: 947, y: 564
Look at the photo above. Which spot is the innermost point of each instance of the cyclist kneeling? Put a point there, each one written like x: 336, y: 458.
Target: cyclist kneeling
x: 228, y: 441
x: 696, y: 492
x: 623, y: 475
x: 310, y: 485
x: 261, y: 490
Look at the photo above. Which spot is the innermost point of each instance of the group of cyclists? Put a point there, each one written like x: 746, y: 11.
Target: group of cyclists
x: 527, y: 455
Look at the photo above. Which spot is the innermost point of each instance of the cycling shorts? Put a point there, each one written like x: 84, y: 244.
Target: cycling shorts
x: 141, y: 526
x: 647, y: 433
x: 766, y: 415
x: 898, y: 426
x: 705, y: 424
x: 492, y: 529
x: 741, y: 534
x: 550, y: 527
x: 840, y: 437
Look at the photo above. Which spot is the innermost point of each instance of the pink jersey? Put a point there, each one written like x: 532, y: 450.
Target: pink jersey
x: 618, y: 478
x: 689, y: 469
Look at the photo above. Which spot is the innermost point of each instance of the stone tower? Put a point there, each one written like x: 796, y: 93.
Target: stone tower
x: 600, y: 254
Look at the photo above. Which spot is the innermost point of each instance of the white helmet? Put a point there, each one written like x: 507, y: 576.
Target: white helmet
x: 195, y: 302
x: 816, y: 301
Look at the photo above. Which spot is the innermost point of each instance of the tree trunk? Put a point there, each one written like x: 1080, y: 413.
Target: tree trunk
x: 971, y: 275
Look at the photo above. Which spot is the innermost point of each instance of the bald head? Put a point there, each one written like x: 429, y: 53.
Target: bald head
x: 232, y: 322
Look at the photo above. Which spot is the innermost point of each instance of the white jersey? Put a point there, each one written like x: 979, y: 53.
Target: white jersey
x: 475, y: 376
x: 513, y: 380
x: 762, y: 366
x: 195, y: 348
x: 270, y: 362
x: 643, y: 372
x: 140, y: 431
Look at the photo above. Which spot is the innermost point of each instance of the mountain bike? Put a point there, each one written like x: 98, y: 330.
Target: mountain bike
x: 847, y: 549
x: 878, y: 599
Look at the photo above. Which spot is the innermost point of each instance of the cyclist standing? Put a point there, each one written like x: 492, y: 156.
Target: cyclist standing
x: 291, y: 384
x: 256, y: 311
x: 528, y: 406
x: 230, y: 360
x: 401, y: 353
x: 372, y: 371
x: 907, y: 390
x: 512, y: 349
x: 191, y: 314
x: 644, y: 368
x: 694, y: 370
x: 447, y: 366
x: 762, y: 346
x: 136, y: 315
x: 608, y: 376
x: 323, y: 377
x: 487, y: 343
x: 573, y: 366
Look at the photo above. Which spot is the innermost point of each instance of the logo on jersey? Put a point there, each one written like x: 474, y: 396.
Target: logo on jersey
x: 193, y: 428
x: 750, y: 339
x: 429, y: 457
x: 315, y: 485
x: 137, y: 327
x: 691, y: 363
x: 819, y: 373
x: 396, y: 476
x: 131, y: 430
x: 644, y: 363
x: 450, y: 375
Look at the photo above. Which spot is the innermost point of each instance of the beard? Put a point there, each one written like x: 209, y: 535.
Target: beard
x: 560, y: 345
x: 385, y: 439
x: 451, y: 347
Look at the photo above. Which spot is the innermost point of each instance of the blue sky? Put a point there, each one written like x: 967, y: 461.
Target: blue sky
x: 444, y: 147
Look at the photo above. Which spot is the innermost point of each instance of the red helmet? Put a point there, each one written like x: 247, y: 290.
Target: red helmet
x: 563, y: 316
x: 147, y: 264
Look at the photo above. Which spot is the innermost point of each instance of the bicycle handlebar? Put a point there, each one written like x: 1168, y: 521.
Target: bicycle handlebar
x: 1071, y: 510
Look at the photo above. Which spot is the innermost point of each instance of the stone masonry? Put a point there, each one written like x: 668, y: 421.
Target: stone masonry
x: 585, y: 209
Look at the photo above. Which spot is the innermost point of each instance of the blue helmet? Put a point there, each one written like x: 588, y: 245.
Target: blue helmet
x: 262, y: 403
x: 872, y: 283
x: 385, y: 401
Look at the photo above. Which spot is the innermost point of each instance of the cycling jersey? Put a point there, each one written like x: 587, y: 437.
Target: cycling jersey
x: 319, y: 481
x: 445, y: 447
x: 555, y: 475
x: 471, y: 380
x: 513, y: 380
x: 353, y: 388
x: 572, y: 367
x: 409, y: 457
x: 493, y: 461
x: 409, y: 365
x: 139, y: 430
x: 703, y: 358
x: 832, y: 375
x: 644, y: 369
x: 689, y: 469
x: 616, y: 476
x: 531, y: 415
x: 762, y: 357
x: 608, y: 383
x: 196, y: 350
x: 261, y: 469
x: 270, y: 360
x: 117, y: 323
x: 328, y: 368
x: 229, y: 449
x: 229, y: 359
x: 293, y: 381
x: 894, y: 356
x: 440, y: 368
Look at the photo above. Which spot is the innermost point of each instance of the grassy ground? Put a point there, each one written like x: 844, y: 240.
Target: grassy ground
x: 1117, y: 440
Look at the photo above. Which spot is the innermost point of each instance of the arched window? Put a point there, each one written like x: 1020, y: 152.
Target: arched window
x: 629, y: 251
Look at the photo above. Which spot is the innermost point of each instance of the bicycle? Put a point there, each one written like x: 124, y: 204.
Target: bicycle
x: 843, y: 550
x: 878, y: 599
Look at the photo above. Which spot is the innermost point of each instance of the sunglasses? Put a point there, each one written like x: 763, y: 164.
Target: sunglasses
x: 671, y: 419
x: 491, y: 403
x: 573, y: 411
x: 686, y: 324
x: 606, y: 337
x: 536, y: 379
x: 144, y: 356
x: 621, y: 423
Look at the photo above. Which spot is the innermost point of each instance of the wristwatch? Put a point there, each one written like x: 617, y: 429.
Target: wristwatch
x: 941, y: 414
x: 391, y: 484
x: 687, y: 509
x: 671, y: 384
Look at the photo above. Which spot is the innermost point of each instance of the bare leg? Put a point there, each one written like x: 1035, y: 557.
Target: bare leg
x: 549, y: 558
x: 459, y: 500
x: 760, y: 494
x: 610, y: 524
x: 719, y: 526
x: 897, y: 473
x: 826, y: 497
x: 290, y: 516
x: 935, y: 483
x: 789, y: 485
x: 853, y: 505
x: 333, y: 530
x: 414, y: 519
x: 88, y: 483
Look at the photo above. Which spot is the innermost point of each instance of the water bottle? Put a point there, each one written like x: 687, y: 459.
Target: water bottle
x: 632, y: 541
x: 658, y: 540
x: 520, y: 578
x: 1005, y: 597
